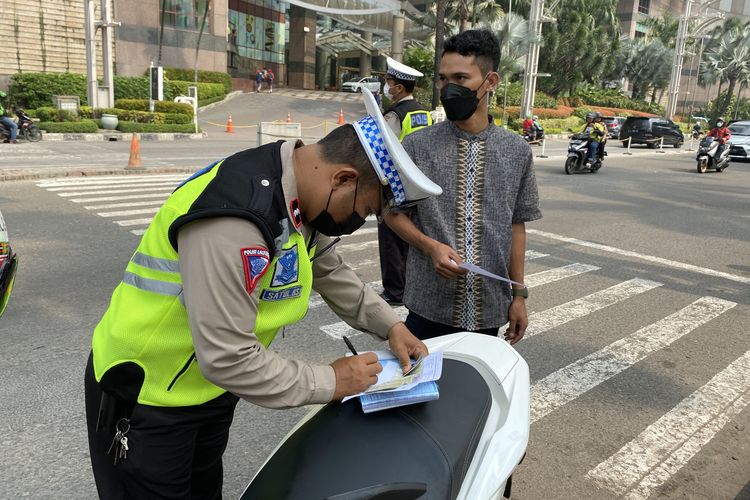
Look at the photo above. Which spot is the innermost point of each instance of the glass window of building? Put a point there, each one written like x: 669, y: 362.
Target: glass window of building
x: 185, y: 14
x: 643, y: 6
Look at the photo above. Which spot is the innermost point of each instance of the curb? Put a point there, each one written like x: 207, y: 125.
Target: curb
x: 25, y: 175
x: 228, y: 97
x: 111, y: 136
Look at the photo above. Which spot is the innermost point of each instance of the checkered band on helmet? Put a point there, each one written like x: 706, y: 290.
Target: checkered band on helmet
x: 370, y: 136
x: 400, y: 76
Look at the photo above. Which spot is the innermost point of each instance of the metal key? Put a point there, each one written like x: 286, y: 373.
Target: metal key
x: 120, y: 441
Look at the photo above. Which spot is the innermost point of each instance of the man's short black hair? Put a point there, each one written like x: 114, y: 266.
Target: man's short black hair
x: 342, y: 145
x: 481, y: 44
x: 408, y: 84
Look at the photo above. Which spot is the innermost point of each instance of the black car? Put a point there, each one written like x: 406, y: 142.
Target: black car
x: 648, y: 131
x: 613, y: 124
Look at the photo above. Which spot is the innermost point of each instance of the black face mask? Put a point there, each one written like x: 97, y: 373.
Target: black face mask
x: 460, y: 102
x: 325, y: 224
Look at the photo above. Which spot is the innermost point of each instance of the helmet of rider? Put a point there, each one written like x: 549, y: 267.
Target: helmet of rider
x: 528, y: 116
x: 590, y: 116
x: 597, y: 116
x: 720, y: 121
x: 536, y: 117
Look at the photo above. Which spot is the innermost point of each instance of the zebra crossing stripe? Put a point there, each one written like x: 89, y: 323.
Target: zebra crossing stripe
x: 336, y: 330
x: 138, y: 232
x: 117, y: 191
x: 649, y: 258
x: 157, y: 201
x: 134, y: 222
x: 566, y: 384
x: 557, y: 274
x: 163, y: 195
x: 126, y: 213
x: 531, y: 255
x: 564, y: 313
x: 664, y: 447
x: 109, y: 180
x: 97, y: 189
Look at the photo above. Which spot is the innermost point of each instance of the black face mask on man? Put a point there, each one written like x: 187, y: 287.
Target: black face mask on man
x: 324, y: 222
x: 460, y: 102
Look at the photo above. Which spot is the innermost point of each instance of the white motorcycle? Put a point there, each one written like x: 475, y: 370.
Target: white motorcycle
x: 464, y: 445
x: 706, y: 157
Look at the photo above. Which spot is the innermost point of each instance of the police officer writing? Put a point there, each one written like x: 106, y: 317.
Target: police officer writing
x: 230, y: 259
x: 405, y: 117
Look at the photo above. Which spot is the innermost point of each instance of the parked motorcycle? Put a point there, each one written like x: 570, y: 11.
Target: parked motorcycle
x: 27, y: 129
x: 8, y: 266
x: 464, y: 445
x: 706, y: 157
x: 578, y: 151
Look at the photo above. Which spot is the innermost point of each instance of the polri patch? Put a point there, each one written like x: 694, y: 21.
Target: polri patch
x: 255, y: 261
x: 296, y: 212
x: 287, y: 268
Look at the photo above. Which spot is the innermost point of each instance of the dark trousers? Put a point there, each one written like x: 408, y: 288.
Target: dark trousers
x: 424, y: 329
x: 174, y: 453
x: 393, y: 252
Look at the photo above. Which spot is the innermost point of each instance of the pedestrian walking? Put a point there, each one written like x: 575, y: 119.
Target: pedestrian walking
x: 258, y: 81
x: 229, y: 260
x: 490, y: 192
x: 271, y: 78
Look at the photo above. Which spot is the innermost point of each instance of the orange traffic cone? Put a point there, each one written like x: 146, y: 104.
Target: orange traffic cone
x: 230, y: 127
x: 341, y: 116
x: 289, y: 117
x: 134, y: 162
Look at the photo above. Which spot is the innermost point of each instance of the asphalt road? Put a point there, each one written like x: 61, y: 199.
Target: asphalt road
x: 638, y: 345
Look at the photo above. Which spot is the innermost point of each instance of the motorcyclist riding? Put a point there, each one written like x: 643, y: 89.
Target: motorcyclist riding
x: 5, y: 120
x: 721, y: 133
x: 697, y: 129
x: 598, y: 119
x: 595, y: 131
x: 528, y: 125
x: 537, y: 128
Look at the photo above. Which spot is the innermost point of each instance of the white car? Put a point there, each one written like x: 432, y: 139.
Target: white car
x: 739, y: 148
x: 372, y: 83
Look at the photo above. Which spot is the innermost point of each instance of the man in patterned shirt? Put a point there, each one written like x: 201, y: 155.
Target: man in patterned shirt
x: 489, y: 193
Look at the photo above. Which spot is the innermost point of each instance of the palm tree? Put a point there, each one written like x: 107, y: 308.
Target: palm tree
x: 729, y: 59
x: 646, y: 64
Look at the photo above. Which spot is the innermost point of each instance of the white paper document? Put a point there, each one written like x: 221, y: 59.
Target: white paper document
x: 483, y: 272
x: 391, y: 379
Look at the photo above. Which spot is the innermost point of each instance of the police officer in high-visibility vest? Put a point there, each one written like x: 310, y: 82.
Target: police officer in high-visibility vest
x: 229, y: 260
x: 405, y: 117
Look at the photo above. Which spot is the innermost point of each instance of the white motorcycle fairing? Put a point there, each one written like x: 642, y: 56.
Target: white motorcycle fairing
x: 464, y: 445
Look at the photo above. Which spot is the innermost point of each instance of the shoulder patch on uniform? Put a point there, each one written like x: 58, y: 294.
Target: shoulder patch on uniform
x: 255, y: 261
x: 287, y: 268
x: 296, y: 212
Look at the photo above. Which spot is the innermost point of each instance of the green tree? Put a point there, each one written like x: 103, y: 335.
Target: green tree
x: 663, y: 28
x: 646, y: 64
x: 728, y: 59
x: 580, y: 46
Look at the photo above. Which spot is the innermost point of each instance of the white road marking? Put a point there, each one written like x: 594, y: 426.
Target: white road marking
x: 104, y: 180
x: 112, y: 183
x: 559, y: 315
x: 362, y: 232
x: 557, y: 274
x: 126, y: 213
x: 84, y: 190
x: 133, y: 222
x: 125, y: 205
x: 664, y: 447
x: 531, y: 254
x: 356, y: 247
x: 649, y: 258
x: 338, y: 330
x: 114, y: 191
x: 138, y: 232
x: 362, y: 264
x: 570, y: 382
x: 163, y: 195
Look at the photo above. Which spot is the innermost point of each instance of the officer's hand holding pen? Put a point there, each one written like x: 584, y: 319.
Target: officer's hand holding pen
x: 355, y: 373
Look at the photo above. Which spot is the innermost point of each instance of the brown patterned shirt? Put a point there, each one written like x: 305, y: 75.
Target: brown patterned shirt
x: 488, y: 184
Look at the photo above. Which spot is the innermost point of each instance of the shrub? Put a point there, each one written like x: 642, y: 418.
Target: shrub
x: 156, y: 128
x: 514, y: 97
x: 142, y: 116
x: 80, y: 127
x: 206, y: 102
x: 561, y: 125
x: 205, y: 90
x: 34, y: 90
x: 187, y: 75
x: 130, y: 87
x: 514, y: 112
x: 159, y: 106
x: 595, y: 96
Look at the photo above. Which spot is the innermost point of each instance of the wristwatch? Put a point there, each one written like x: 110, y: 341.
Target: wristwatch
x: 520, y: 292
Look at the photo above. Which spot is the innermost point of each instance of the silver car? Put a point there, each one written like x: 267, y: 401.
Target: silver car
x: 739, y: 148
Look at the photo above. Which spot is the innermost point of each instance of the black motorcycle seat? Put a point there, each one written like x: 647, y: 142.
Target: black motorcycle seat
x: 418, y: 451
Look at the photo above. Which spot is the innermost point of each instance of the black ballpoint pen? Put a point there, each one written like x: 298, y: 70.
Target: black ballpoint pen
x: 350, y: 346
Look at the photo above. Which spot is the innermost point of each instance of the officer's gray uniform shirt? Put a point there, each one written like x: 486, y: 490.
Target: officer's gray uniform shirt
x: 488, y: 183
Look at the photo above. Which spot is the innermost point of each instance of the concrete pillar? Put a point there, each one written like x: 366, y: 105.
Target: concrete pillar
x: 365, y: 59
x: 397, y: 37
x: 323, y: 69
x: 301, y: 64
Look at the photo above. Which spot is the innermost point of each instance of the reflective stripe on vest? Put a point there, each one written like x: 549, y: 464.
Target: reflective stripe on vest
x: 413, y: 121
x: 147, y: 325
